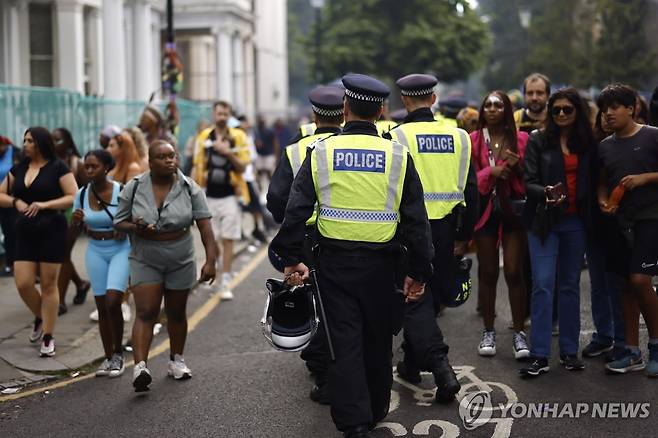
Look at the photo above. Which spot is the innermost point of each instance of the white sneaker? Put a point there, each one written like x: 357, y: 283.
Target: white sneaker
x: 126, y: 312
x: 104, y: 368
x: 117, y: 367
x: 141, y: 377
x: 177, y: 368
x: 488, y: 345
x: 225, y: 290
x: 47, y: 350
x: 37, y: 331
x: 94, y: 315
x: 521, y: 349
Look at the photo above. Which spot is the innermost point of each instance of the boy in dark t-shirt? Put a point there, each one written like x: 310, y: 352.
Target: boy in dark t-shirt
x: 629, y: 161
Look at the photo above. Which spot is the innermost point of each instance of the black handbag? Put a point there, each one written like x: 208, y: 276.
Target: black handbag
x: 516, y: 206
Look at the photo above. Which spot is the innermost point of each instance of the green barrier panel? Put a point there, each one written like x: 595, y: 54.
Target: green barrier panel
x: 84, y: 116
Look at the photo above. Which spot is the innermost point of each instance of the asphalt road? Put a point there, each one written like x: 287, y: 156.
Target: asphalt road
x: 241, y: 388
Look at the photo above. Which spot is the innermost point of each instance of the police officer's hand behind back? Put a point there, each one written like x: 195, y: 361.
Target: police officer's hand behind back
x: 296, y: 275
x: 413, y: 289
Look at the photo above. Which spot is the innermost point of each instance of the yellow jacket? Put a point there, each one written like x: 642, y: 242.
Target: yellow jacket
x: 200, y: 161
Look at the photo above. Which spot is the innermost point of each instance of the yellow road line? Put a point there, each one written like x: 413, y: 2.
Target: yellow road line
x: 199, y: 315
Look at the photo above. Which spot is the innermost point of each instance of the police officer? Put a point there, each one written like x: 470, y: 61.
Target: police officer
x: 327, y: 104
x: 442, y: 155
x: 367, y: 190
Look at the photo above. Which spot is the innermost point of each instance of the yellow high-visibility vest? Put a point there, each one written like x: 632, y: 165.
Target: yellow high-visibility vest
x: 296, y: 153
x: 358, y: 181
x: 442, y: 156
x: 384, y: 126
x: 307, y: 129
x: 445, y: 121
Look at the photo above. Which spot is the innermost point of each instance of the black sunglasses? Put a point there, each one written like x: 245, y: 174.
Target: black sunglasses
x: 567, y: 110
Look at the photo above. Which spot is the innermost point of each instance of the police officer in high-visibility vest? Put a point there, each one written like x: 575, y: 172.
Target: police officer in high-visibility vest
x: 368, y: 194
x: 327, y: 104
x: 442, y: 155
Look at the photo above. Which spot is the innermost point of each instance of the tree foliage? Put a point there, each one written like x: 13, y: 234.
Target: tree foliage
x: 389, y: 38
x: 579, y: 42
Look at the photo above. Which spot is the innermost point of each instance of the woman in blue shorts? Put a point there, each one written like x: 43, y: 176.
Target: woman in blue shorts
x: 107, y: 254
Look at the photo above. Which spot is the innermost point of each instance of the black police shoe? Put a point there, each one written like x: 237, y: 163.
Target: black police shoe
x: 408, y: 373
x: 320, y: 394
x: 361, y: 431
x: 447, y: 385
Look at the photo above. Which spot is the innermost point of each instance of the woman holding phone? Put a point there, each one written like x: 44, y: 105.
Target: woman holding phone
x: 497, y: 156
x: 558, y: 213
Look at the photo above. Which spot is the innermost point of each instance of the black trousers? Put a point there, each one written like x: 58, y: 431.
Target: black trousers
x: 422, y: 340
x: 8, y: 223
x: 358, y: 292
x: 316, y: 354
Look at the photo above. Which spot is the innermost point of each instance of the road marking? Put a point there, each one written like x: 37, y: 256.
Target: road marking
x: 199, y: 315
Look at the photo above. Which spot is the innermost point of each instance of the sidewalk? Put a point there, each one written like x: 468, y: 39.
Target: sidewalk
x: 77, y: 337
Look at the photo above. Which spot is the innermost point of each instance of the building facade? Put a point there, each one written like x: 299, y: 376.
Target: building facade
x: 235, y: 50
x: 107, y: 48
x: 231, y: 49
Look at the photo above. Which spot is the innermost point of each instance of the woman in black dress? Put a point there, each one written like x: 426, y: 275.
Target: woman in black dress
x: 39, y: 187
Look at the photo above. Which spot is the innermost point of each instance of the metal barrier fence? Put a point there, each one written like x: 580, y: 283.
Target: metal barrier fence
x: 84, y: 116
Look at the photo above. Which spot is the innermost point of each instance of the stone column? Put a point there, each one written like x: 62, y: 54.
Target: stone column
x: 70, y: 45
x: 142, y: 59
x: 238, y: 74
x: 250, y: 80
x: 95, y: 41
x: 224, y: 66
x: 114, y: 61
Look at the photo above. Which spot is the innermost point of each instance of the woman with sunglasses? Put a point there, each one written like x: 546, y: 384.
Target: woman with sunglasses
x: 558, y: 212
x: 498, y: 151
x: 67, y: 151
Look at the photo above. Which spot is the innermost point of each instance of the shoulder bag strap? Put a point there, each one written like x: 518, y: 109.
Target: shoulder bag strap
x: 102, y: 203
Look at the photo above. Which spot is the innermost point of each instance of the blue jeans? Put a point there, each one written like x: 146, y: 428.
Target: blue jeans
x: 562, y: 253
x: 606, y: 298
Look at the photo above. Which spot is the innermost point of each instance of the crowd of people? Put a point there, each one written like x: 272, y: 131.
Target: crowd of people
x: 561, y: 183
x: 564, y: 183
x: 132, y: 199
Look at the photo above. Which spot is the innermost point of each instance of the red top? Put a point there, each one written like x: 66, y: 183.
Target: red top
x: 514, y: 187
x: 571, y: 170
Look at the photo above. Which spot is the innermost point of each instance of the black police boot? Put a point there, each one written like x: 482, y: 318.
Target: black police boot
x: 409, y: 372
x: 320, y: 394
x: 446, y: 381
x: 361, y: 431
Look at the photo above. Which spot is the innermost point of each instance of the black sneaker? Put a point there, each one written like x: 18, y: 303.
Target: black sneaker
x: 320, y: 394
x: 408, y: 373
x: 81, y: 293
x: 538, y: 365
x: 570, y: 362
x: 616, y: 353
x: 62, y: 309
x: 594, y: 349
x: 7, y: 271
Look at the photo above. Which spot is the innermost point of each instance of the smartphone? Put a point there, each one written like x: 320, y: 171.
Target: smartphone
x: 556, y: 192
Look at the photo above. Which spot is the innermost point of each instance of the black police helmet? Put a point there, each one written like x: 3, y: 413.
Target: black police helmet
x: 275, y: 259
x: 290, y: 318
x: 461, y: 289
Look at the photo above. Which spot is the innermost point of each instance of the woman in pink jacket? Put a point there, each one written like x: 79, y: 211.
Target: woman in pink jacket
x: 498, y: 150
